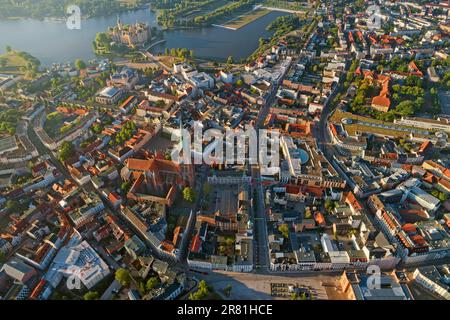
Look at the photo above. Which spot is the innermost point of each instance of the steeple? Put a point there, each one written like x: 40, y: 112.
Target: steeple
x: 119, y: 23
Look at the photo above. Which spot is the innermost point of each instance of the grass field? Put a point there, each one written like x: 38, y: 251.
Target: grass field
x: 286, y: 5
x: 13, y: 63
x: 352, y: 128
x: 207, y: 8
x: 246, y: 19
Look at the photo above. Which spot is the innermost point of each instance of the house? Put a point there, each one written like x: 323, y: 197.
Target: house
x: 128, y: 104
x: 126, y: 79
x: 109, y: 95
x: 18, y: 270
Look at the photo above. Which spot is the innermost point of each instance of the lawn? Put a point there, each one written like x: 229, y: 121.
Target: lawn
x: 246, y: 19
x: 13, y: 63
x: 207, y: 8
x: 352, y: 128
x: 285, y: 5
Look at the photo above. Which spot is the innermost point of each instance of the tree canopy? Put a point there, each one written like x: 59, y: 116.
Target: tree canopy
x: 189, y: 194
x: 123, y: 277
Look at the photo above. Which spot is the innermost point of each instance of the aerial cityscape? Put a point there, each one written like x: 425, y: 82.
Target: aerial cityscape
x: 224, y: 150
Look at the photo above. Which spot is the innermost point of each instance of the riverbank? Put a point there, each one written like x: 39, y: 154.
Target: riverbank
x: 245, y: 19
x: 53, y: 10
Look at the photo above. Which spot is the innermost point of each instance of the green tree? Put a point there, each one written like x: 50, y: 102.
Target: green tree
x: 228, y: 290
x: 13, y: 206
x: 203, y: 291
x: 123, y: 277
x: 284, y: 229
x: 230, y: 61
x: 80, y: 64
x: 125, y: 187
x: 66, y: 151
x: 97, y: 128
x: 2, y: 257
x: 329, y: 205
x: 206, y: 189
x: 8, y: 49
x: 152, y: 283
x: 189, y: 194
x: 91, y: 295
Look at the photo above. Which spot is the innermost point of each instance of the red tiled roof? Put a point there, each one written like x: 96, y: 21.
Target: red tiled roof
x: 333, y: 129
x: 409, y: 228
x: 196, y: 243
x: 38, y: 289
x: 444, y: 183
x: 320, y: 220
x: 352, y: 201
x: 113, y: 197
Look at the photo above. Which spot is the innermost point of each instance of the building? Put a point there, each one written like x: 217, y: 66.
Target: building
x: 108, y: 96
x: 78, y: 260
x: 374, y: 287
x: 130, y: 35
x: 126, y: 79
x: 431, y: 280
x: 18, y: 270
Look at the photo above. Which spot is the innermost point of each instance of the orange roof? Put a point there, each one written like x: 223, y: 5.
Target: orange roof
x: 424, y: 146
x: 316, y: 191
x: 360, y: 36
x: 167, y: 246
x: 38, y: 289
x: 409, y: 228
x: 126, y: 102
x: 407, y: 167
x: 414, y: 69
x: 138, y: 164
x: 414, y: 212
x: 429, y: 177
x: 444, y: 183
x: 351, y: 200
x: 368, y: 74
x: 176, y: 234
x: 320, y: 220
x: 113, y: 197
x: 292, y: 189
x: 333, y: 129
x: 196, y: 243
x: 418, y: 239
x: 381, y: 101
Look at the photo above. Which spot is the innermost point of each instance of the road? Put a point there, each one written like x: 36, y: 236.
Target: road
x: 155, y: 60
x: 113, y: 287
x: 192, y: 219
x: 262, y: 255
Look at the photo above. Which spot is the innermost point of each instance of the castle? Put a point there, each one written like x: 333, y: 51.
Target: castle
x: 130, y: 35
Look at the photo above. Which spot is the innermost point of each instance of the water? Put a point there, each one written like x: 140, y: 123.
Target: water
x: 51, y: 41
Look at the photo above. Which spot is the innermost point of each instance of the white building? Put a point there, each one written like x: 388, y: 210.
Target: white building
x: 80, y: 262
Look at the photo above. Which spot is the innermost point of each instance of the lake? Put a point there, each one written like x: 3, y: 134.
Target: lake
x: 52, y: 41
